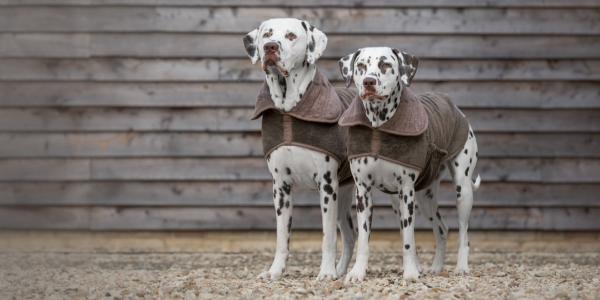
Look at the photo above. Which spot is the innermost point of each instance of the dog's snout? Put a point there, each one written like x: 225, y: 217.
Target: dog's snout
x: 369, y: 82
x: 271, y: 47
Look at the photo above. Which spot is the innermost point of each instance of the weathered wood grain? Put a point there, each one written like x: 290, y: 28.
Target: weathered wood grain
x: 200, y: 119
x: 151, y: 144
x: 44, y: 169
x: 259, y: 193
x: 315, y: 3
x: 489, y: 94
x: 318, y: 3
x: 127, y: 119
x: 330, y: 20
x: 432, y: 46
x: 181, y: 70
x: 540, y: 170
x: 119, y: 70
x: 153, y: 218
x: 44, y: 45
x: 19, y: 217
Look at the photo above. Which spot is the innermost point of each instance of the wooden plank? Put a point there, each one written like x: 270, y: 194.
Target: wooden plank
x: 127, y: 69
x: 438, y: 46
x: 66, y: 94
x: 109, y: 69
x: 447, y: 70
x: 127, y: 119
x: 140, y: 144
x: 237, y: 119
x: 44, y: 45
x: 149, y: 218
x: 44, y: 169
x: 330, y: 20
x: 540, y: 170
x: 464, y: 94
x: 21, y: 217
x: 131, y: 144
x: 259, y: 193
x: 318, y: 3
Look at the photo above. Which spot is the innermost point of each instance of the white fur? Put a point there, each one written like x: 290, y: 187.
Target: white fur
x: 387, y: 176
x: 289, y: 165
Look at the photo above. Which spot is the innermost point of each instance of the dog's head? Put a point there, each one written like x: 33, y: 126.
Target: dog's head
x: 285, y: 44
x: 377, y: 71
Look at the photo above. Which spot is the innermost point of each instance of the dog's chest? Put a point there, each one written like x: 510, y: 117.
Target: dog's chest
x: 382, y: 174
x: 302, y: 166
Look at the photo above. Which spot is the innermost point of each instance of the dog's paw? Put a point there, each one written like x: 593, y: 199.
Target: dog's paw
x: 331, y: 274
x: 340, y: 270
x: 411, y: 273
x: 462, y: 272
x: 356, y: 275
x: 268, y: 275
x: 434, y: 270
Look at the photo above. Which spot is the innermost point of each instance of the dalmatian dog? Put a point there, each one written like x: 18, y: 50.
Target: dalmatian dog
x: 380, y: 74
x: 288, y: 50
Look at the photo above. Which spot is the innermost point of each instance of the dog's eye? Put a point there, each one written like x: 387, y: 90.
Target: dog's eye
x: 386, y: 65
x: 361, y: 65
x: 266, y: 35
x: 290, y: 36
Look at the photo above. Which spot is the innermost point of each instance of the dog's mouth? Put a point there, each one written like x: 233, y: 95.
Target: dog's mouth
x: 373, y: 96
x: 271, y: 64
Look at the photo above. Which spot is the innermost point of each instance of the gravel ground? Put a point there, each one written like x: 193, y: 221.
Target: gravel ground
x: 220, y: 275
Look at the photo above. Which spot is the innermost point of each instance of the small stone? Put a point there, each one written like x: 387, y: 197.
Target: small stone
x: 500, y: 274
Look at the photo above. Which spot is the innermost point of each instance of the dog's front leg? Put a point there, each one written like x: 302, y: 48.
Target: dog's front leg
x: 282, y: 197
x: 328, y: 190
x: 407, y: 211
x: 364, y: 210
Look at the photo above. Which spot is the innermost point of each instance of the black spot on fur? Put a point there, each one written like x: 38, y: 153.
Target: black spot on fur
x: 289, y: 172
x: 366, y: 160
x: 467, y: 172
x: 328, y: 189
x: 287, y: 188
x: 430, y: 219
x: 365, y: 227
x: 411, y: 193
x: 412, y: 176
x: 325, y: 209
x: 456, y: 163
x: 269, y: 157
x: 370, y: 177
x: 405, y: 198
x: 334, y: 196
x: 409, y: 220
x: 327, y: 158
x: 311, y: 44
x: 287, y: 204
x: 289, y: 227
x: 249, y: 45
x: 327, y: 176
x: 360, y: 207
x: 279, y: 212
x: 441, y: 230
x: 458, y: 188
x: 326, y: 200
x: 437, y: 213
x: 304, y: 25
x: 411, y: 208
x: 466, y: 151
x: 276, y: 170
x: 407, y: 246
x: 350, y: 222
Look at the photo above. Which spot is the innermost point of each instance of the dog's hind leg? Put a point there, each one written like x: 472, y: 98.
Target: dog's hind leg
x: 427, y: 201
x: 346, y: 226
x: 461, y: 168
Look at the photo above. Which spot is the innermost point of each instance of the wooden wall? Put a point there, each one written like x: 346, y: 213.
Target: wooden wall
x: 133, y: 114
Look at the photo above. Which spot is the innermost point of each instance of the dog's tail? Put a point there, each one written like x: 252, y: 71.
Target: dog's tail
x: 475, y: 185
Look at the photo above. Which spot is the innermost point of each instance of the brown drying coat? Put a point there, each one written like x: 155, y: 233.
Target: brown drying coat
x: 312, y: 123
x: 425, y: 132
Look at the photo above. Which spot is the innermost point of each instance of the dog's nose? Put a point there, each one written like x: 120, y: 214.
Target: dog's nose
x: 271, y: 47
x: 369, y: 82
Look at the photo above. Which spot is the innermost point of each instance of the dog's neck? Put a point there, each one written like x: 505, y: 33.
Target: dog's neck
x: 380, y: 111
x: 286, y: 92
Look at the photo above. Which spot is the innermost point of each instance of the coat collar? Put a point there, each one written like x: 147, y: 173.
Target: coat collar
x: 320, y: 102
x: 410, y: 119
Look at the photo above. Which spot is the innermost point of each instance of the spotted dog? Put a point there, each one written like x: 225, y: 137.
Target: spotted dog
x: 288, y: 50
x: 406, y: 155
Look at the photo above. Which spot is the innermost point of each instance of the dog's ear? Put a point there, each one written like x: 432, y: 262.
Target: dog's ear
x: 347, y: 67
x: 315, y: 44
x: 251, y: 45
x: 407, y: 65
